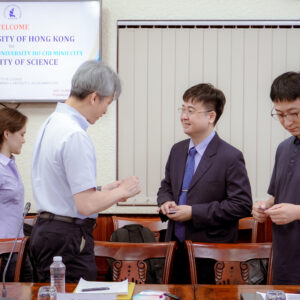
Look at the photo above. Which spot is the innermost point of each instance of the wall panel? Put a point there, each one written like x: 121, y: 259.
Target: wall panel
x: 158, y: 63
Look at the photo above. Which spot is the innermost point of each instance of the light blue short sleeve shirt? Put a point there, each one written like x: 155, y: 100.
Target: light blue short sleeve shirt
x: 64, y: 162
x: 11, y: 198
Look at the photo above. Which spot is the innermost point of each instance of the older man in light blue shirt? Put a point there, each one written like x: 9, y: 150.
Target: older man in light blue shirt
x: 65, y: 167
x: 64, y: 177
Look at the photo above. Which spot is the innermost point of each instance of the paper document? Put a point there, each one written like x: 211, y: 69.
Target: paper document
x: 287, y: 295
x: 102, y: 287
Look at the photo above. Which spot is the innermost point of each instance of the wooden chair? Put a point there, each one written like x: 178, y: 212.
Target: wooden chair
x: 30, y: 220
x: 129, y: 259
x: 248, y: 225
x: 154, y: 224
x: 6, y: 247
x: 231, y: 266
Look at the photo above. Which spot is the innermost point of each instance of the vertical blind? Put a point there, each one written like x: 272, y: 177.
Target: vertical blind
x: 157, y: 62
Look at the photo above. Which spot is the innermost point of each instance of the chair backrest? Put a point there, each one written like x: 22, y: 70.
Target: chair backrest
x: 249, y: 224
x: 154, y: 224
x: 6, y: 247
x: 129, y: 259
x: 231, y: 266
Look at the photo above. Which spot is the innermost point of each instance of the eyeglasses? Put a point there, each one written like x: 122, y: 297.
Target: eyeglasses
x: 290, y: 116
x: 190, y: 111
x: 17, y: 105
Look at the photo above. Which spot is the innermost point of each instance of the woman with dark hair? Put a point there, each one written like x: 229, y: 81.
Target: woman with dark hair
x: 12, y: 132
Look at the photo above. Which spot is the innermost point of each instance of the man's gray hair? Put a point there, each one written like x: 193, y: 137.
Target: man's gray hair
x: 95, y: 76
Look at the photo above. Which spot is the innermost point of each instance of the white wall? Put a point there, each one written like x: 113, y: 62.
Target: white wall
x: 103, y: 133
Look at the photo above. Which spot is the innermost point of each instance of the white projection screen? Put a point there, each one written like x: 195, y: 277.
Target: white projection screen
x: 41, y: 45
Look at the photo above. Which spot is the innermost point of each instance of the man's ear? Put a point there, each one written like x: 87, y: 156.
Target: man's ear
x: 5, y: 134
x: 93, y: 97
x: 212, y: 117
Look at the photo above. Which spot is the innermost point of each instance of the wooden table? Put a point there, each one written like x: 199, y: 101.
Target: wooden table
x: 233, y: 292
x: 29, y: 291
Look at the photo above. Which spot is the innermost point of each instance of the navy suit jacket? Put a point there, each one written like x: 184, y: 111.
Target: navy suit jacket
x: 219, y: 192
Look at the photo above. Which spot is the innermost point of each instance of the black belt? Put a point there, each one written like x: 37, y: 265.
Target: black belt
x: 89, y: 222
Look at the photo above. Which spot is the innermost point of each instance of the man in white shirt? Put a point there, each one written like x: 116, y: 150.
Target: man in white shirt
x: 64, y: 177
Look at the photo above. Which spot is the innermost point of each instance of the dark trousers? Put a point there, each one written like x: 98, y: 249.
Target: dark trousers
x: 181, y: 271
x: 26, y: 269
x: 75, y: 243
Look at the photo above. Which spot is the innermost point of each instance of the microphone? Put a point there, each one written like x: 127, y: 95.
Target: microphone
x: 25, y: 212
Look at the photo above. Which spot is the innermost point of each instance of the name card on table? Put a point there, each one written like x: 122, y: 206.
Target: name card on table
x: 289, y: 296
x: 85, y: 296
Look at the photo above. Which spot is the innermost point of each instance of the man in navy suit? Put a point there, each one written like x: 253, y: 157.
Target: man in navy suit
x: 206, y: 207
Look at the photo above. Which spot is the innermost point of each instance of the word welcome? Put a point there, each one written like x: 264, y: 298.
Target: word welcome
x: 14, y: 26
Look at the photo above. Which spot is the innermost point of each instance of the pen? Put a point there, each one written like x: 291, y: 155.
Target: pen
x: 104, y: 288
x: 171, y: 296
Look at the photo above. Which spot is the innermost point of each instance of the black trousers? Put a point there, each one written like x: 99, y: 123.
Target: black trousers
x: 181, y: 273
x: 75, y: 243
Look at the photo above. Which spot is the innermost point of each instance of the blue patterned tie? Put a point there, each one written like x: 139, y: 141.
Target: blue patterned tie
x: 188, y: 175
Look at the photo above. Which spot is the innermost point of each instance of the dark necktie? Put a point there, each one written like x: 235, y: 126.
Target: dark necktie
x: 188, y: 175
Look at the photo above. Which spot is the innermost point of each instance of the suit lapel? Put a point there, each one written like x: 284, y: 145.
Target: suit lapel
x: 206, y: 160
x: 180, y: 165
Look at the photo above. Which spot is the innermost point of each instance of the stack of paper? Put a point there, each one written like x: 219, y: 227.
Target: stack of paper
x: 131, y: 286
x: 100, y: 290
x: 102, y: 287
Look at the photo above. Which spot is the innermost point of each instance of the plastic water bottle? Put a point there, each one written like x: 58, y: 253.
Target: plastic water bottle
x: 58, y: 272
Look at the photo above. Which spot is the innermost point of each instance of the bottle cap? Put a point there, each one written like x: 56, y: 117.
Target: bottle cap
x: 57, y: 258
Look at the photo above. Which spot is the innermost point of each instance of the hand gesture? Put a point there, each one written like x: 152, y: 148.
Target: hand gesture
x: 182, y: 213
x: 284, y: 213
x: 259, y: 210
x: 130, y: 187
x: 167, y: 207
